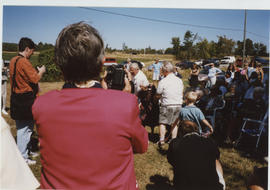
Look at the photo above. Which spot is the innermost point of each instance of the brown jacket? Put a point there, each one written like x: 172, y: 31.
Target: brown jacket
x: 25, y: 74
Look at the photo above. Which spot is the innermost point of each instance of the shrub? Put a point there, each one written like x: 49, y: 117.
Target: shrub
x: 53, y: 72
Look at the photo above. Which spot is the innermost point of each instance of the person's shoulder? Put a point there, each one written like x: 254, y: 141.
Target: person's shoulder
x: 26, y: 62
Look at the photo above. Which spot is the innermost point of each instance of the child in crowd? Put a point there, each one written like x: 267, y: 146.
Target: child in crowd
x: 192, y: 113
x: 228, y: 79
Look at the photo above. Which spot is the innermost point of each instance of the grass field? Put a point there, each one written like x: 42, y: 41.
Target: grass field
x: 153, y: 172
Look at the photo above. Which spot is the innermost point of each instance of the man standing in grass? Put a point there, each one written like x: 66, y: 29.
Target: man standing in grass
x: 24, y: 85
x: 170, y: 92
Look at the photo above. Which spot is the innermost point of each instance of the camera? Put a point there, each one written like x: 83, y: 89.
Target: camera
x: 115, y: 78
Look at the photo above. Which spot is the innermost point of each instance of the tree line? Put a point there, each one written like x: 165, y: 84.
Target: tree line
x: 203, y: 49
x: 14, y: 46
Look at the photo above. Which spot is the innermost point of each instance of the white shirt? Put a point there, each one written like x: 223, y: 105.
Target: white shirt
x: 213, y: 71
x: 15, y: 173
x: 171, y: 90
x: 139, y: 80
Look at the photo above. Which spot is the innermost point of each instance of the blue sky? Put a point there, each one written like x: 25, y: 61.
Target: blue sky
x: 43, y: 23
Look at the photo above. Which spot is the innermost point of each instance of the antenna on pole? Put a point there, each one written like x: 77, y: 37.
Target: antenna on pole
x: 244, y: 40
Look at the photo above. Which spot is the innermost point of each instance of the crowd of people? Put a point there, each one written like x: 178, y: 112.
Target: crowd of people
x: 88, y: 133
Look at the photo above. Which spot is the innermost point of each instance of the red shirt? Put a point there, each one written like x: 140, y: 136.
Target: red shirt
x: 87, y: 138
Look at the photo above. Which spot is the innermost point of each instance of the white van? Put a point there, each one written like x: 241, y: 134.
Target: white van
x: 227, y: 60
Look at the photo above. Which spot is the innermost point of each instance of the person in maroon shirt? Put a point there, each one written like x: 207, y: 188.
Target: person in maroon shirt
x: 87, y: 134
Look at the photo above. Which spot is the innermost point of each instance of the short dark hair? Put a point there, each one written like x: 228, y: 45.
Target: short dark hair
x: 79, y: 52
x: 26, y: 42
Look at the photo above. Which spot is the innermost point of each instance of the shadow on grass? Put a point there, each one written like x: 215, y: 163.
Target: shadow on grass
x: 162, y: 151
x: 153, y: 137
x: 159, y: 183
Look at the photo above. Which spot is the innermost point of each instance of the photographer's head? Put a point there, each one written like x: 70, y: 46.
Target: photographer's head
x: 134, y: 69
x: 79, y: 52
x: 26, y: 47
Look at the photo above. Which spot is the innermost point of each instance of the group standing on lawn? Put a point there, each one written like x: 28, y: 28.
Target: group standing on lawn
x: 101, y: 128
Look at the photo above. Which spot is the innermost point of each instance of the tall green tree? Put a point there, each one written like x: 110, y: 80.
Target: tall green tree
x: 239, y: 48
x: 225, y: 46
x: 213, y: 49
x: 203, y: 49
x: 189, y: 39
x: 260, y: 49
x: 249, y: 47
x: 176, y: 46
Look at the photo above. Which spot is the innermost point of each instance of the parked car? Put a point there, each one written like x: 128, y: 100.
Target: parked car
x: 262, y: 61
x: 212, y: 60
x: 227, y: 60
x: 109, y: 61
x: 199, y: 62
x: 185, y: 64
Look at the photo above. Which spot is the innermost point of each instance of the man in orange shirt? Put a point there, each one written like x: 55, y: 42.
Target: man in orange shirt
x: 24, y: 83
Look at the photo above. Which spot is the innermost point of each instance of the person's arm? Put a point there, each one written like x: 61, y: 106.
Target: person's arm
x: 175, y: 122
x: 220, y: 173
x: 219, y: 167
x: 103, y: 83
x: 262, y: 74
x: 30, y: 72
x: 205, y: 122
x: 218, y: 71
x: 246, y: 75
x: 128, y: 74
x: 127, y: 87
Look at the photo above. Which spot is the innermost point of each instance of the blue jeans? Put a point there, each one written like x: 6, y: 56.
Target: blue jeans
x: 24, y: 132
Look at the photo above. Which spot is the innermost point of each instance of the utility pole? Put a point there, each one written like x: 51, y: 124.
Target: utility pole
x: 244, y: 44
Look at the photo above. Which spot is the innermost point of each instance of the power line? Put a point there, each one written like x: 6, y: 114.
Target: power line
x: 170, y: 22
